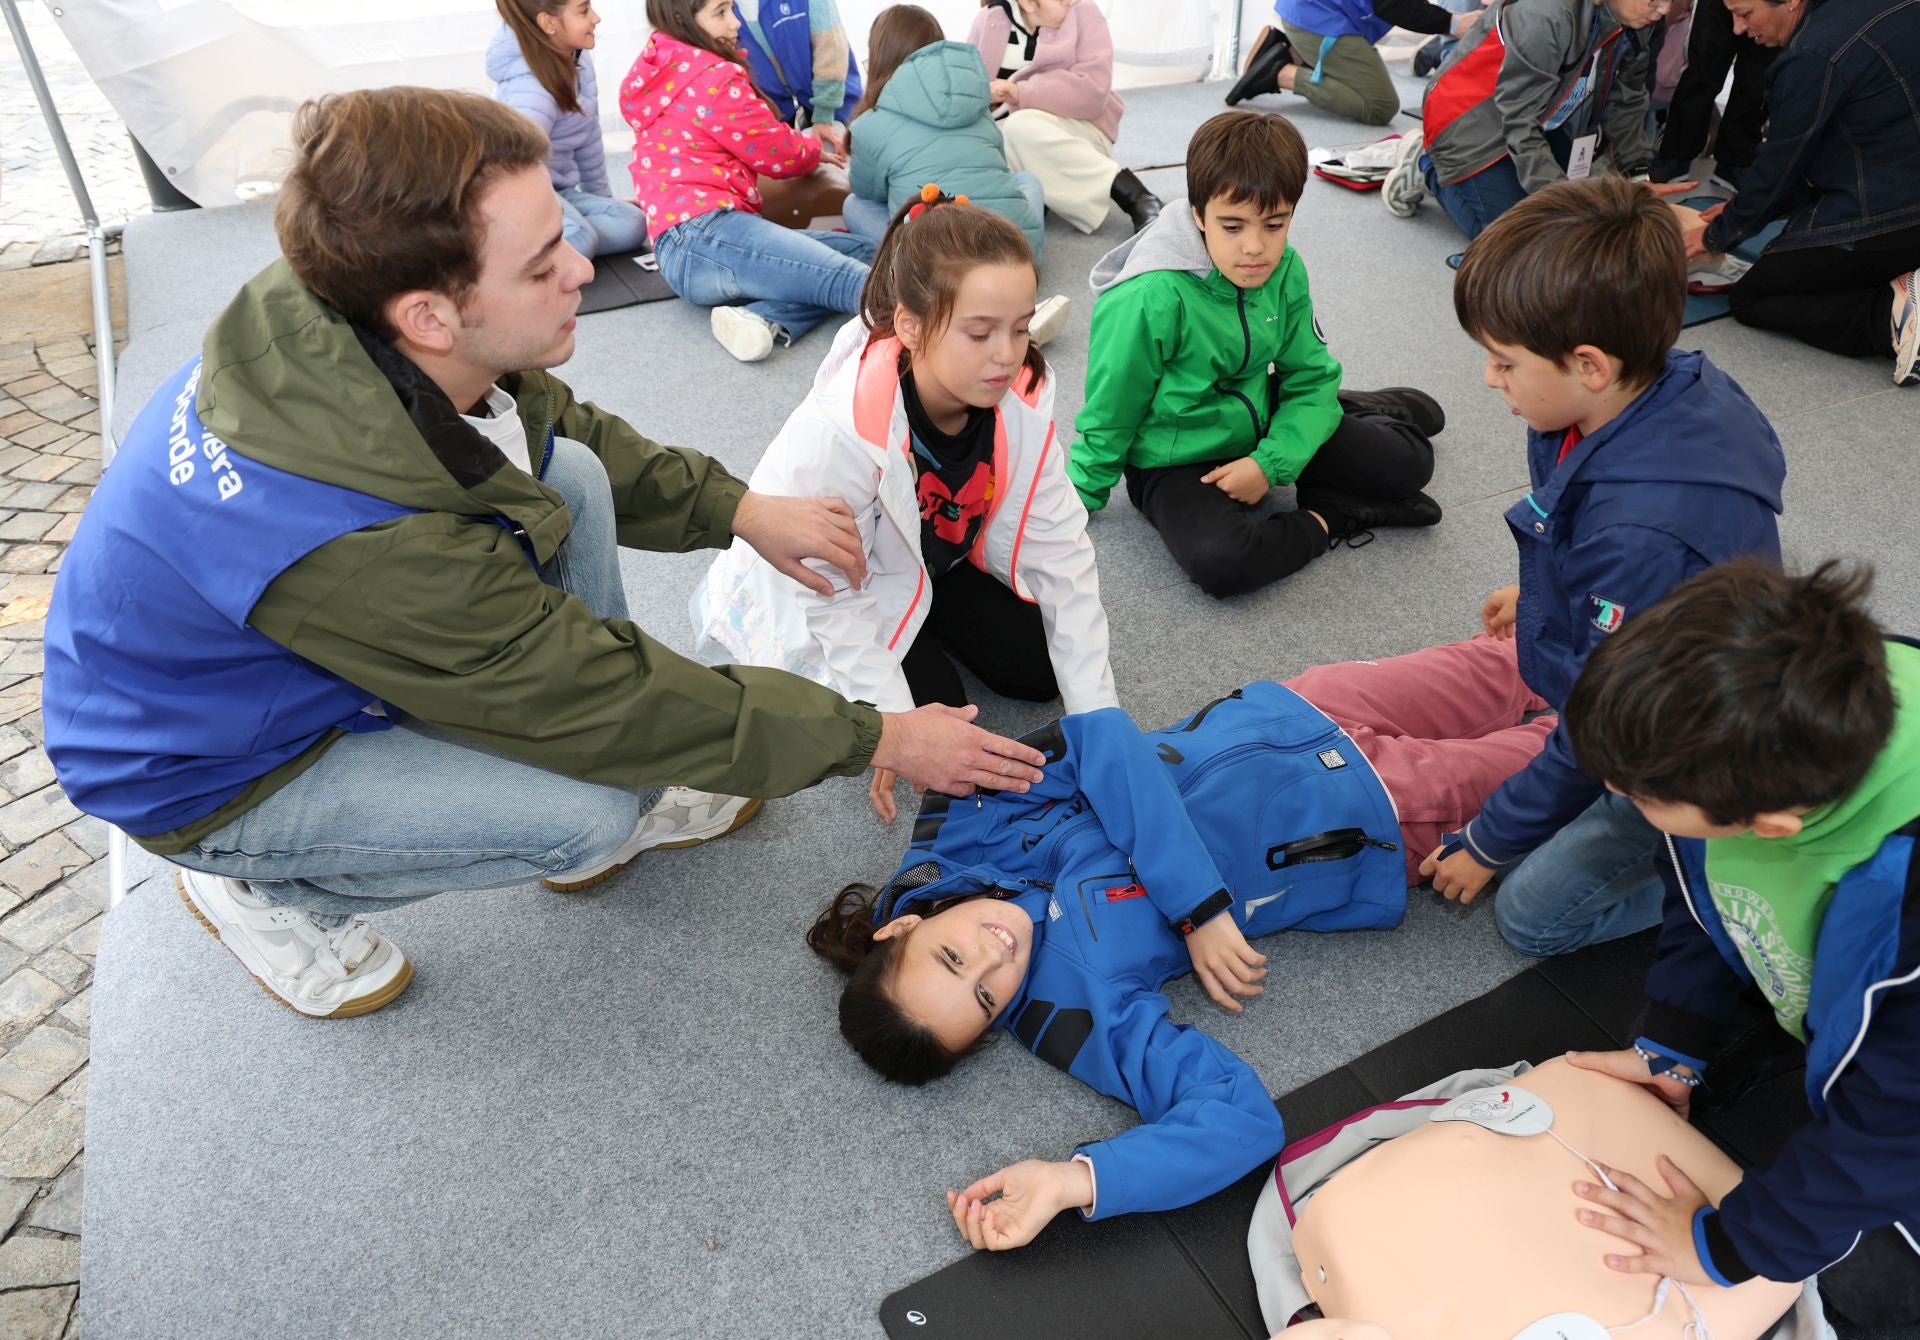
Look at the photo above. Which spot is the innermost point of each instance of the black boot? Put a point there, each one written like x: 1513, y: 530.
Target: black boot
x: 1352, y: 519
x: 1263, y: 71
x: 1409, y: 406
x: 1133, y: 197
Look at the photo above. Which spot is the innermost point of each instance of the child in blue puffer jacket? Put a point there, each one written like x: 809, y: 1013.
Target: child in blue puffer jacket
x: 540, y: 64
x: 1139, y: 856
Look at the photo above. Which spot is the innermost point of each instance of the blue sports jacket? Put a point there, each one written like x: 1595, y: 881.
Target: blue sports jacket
x: 1687, y: 476
x: 1257, y: 807
x: 779, y: 51
x: 1856, y: 1165
x: 1841, y: 160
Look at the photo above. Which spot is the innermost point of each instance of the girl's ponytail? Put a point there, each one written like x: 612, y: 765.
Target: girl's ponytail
x: 932, y: 244
x: 843, y: 933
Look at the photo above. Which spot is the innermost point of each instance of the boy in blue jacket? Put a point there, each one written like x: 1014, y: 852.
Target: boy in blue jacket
x: 1771, y: 730
x: 1647, y: 465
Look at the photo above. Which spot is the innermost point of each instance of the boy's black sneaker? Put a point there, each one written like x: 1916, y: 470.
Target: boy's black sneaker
x: 1404, y: 403
x: 1139, y: 204
x: 1263, y: 71
x: 1351, y: 519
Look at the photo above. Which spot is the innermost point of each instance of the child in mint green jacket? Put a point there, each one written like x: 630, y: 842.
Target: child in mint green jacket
x: 1209, y: 382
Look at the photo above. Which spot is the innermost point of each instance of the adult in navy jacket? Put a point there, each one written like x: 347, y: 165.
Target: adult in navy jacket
x: 798, y: 53
x: 1138, y: 857
x: 1687, y: 476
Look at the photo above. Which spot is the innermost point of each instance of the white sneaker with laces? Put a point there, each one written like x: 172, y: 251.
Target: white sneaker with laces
x: 682, y: 818
x: 326, y: 974
x: 1405, y: 188
x: 1906, y: 330
x: 747, y: 337
x: 1049, y: 318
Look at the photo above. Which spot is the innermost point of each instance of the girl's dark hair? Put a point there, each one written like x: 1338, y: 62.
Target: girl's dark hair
x: 924, y: 258
x: 675, y: 19
x: 898, y: 32
x: 555, y: 69
x: 1745, y: 691
x: 889, y: 1039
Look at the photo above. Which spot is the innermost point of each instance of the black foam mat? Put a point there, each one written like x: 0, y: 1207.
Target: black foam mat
x: 620, y: 281
x: 1184, y: 1272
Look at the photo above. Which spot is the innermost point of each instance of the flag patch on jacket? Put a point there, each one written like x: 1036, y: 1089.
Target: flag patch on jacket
x: 1607, y: 614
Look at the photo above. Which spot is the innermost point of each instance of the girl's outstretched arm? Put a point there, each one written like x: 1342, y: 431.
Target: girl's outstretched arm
x: 1027, y: 1195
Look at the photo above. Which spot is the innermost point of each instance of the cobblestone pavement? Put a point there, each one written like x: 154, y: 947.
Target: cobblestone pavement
x: 53, y: 871
x: 39, y: 220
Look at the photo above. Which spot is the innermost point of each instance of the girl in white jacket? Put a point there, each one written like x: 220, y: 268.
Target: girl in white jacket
x: 932, y: 418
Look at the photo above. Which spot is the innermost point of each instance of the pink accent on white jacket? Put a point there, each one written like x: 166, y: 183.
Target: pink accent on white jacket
x: 702, y: 136
x: 1071, y: 73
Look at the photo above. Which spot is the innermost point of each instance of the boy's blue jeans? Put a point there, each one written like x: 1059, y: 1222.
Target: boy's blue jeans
x: 394, y: 816
x: 792, y: 277
x: 1596, y: 879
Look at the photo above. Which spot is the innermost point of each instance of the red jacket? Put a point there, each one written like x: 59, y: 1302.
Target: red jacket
x: 702, y: 136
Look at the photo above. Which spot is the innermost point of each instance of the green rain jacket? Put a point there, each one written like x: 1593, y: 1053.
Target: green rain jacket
x: 1184, y: 366
x: 440, y: 614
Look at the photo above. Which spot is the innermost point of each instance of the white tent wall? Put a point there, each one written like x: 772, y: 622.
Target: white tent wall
x: 209, y: 87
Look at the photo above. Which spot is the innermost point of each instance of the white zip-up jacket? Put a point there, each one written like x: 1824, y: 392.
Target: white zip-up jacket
x: 850, y: 440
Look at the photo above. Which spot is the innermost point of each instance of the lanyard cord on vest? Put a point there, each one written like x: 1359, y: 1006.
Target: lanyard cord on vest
x: 1519, y: 1112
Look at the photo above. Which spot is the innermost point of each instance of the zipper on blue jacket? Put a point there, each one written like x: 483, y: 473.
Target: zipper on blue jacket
x: 1201, y: 715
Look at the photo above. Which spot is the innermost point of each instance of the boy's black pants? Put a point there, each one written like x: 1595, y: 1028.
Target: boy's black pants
x: 978, y: 620
x: 1835, y: 298
x: 1754, y: 1101
x: 1228, y: 548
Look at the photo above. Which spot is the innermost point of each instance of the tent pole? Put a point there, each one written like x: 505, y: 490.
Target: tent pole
x: 102, y: 325
x: 1226, y: 41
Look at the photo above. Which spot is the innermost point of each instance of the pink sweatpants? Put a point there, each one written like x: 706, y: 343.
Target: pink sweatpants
x: 1442, y: 728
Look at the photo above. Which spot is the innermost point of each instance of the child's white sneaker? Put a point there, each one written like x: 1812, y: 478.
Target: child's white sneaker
x: 683, y: 817
x: 747, y: 337
x: 1906, y: 330
x: 1049, y: 318
x: 1404, y: 187
x: 324, y: 973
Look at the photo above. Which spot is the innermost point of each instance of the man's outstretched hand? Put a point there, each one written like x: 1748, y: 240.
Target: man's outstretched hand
x: 938, y: 748
x: 788, y: 531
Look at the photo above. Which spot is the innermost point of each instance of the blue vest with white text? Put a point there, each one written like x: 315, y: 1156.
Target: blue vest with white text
x: 1333, y: 18
x: 783, y: 67
x: 161, y: 703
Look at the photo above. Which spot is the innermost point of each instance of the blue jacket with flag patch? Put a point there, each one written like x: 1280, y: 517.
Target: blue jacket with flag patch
x: 1258, y: 807
x: 1687, y: 476
x: 1856, y: 1165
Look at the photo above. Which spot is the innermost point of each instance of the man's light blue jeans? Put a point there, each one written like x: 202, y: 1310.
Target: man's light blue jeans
x: 394, y: 816
x: 794, y: 278
x: 1596, y: 879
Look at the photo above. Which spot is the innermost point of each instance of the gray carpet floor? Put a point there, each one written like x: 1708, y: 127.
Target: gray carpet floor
x: 629, y: 1114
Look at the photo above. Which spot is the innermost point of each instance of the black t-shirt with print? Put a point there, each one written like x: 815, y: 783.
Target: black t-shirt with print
x: 954, y: 481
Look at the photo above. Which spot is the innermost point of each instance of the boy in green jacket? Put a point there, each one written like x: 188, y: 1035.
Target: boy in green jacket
x: 1209, y: 383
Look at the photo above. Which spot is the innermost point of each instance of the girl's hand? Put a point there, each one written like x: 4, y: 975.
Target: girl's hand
x: 880, y: 794
x: 1626, y: 1064
x: 1661, y: 1226
x: 1226, y: 965
x: 1003, y: 91
x: 1498, y: 614
x: 1242, y: 480
x: 832, y: 148
x: 1030, y: 1194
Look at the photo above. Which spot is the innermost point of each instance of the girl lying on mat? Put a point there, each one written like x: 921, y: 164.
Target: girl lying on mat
x: 1057, y: 914
x: 1458, y: 1213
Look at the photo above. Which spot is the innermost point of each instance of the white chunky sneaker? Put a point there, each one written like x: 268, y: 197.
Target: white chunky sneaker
x: 1049, y: 318
x: 747, y: 337
x: 1405, y: 188
x: 683, y: 818
x: 1906, y: 330
x: 327, y: 974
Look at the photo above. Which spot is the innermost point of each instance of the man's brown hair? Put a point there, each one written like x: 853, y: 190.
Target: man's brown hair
x: 384, y: 196
x: 1254, y: 157
x: 1595, y: 262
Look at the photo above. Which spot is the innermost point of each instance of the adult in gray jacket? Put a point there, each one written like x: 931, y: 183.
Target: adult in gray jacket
x: 1533, y: 94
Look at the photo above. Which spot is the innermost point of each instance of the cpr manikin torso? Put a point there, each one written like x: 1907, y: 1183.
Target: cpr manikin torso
x: 1454, y: 1232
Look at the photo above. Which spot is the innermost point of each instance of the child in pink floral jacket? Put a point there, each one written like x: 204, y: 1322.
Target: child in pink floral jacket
x: 703, y: 135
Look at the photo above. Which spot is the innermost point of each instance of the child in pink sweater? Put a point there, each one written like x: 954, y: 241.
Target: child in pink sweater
x: 703, y: 136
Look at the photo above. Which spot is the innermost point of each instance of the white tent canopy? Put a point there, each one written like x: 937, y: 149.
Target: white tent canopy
x: 208, y: 87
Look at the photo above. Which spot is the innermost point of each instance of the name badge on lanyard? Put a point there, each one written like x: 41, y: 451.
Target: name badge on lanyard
x: 1580, y: 160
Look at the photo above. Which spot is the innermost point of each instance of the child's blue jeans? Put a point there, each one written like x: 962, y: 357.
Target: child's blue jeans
x: 791, y: 277
x: 1596, y: 879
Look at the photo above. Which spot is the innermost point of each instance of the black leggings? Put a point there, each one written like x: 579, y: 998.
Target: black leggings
x: 979, y: 621
x: 1835, y: 298
x: 1228, y: 548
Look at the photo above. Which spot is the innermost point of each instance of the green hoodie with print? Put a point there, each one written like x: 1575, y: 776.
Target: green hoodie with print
x: 1178, y: 359
x: 439, y: 613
